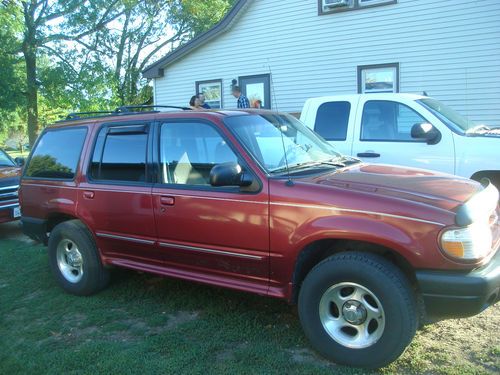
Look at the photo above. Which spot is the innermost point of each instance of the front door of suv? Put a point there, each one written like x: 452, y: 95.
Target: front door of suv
x: 116, y: 197
x: 220, y: 235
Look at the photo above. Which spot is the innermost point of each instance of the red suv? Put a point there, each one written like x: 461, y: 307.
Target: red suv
x: 256, y: 201
x: 10, y: 172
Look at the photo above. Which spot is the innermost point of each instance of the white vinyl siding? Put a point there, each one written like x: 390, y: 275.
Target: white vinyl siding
x: 448, y: 48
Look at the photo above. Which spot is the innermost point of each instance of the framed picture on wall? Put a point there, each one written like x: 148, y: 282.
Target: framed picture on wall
x: 257, y: 89
x: 212, y: 90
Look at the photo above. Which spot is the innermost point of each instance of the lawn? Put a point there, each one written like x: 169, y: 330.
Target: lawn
x: 146, y: 324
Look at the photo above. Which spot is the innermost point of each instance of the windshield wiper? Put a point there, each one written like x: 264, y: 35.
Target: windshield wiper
x: 478, y: 129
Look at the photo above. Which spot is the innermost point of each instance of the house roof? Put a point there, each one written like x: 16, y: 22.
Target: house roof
x: 155, y: 70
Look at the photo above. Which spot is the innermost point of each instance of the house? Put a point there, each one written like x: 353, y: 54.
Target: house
x: 285, y: 51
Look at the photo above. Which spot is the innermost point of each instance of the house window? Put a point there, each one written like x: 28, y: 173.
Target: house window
x: 257, y: 89
x: 212, y: 90
x: 378, y: 78
x: 334, y: 6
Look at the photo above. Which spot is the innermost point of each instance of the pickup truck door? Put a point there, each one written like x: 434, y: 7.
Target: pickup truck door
x: 383, y: 135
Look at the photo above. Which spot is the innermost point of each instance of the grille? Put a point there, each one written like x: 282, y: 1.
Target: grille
x: 8, y: 193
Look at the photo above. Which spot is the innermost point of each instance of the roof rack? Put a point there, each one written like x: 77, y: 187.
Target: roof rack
x: 127, y: 108
x: 78, y: 115
x: 120, y: 111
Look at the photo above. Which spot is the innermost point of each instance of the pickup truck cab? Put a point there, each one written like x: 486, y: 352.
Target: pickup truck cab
x: 255, y: 201
x: 10, y: 172
x: 405, y: 129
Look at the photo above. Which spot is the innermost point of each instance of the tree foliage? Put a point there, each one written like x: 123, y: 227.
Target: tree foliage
x: 58, y: 56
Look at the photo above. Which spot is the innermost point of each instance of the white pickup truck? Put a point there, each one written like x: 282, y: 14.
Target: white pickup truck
x: 404, y: 129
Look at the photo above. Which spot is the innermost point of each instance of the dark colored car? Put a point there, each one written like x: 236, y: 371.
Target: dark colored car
x: 256, y: 201
x: 10, y: 173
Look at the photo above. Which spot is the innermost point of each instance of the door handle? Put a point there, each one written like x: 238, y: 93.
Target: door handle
x: 88, y: 194
x: 167, y: 201
x: 368, y: 155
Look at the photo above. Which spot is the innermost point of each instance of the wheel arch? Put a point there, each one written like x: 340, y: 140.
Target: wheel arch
x: 492, y: 175
x: 315, y: 252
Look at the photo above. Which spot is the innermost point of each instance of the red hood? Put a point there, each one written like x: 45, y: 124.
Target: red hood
x: 416, y: 185
x: 9, y: 172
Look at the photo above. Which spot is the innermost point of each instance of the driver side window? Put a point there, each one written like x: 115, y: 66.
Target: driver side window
x: 388, y: 121
x: 189, y: 151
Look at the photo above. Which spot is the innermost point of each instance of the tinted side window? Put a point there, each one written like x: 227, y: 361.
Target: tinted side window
x: 189, y: 151
x: 388, y: 121
x: 332, y: 120
x: 56, y: 154
x: 120, y: 154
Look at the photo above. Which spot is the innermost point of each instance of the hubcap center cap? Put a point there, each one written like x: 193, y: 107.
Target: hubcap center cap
x: 74, y: 259
x: 354, y: 312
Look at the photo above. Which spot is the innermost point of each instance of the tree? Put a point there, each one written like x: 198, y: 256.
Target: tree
x: 48, y: 21
x: 144, y: 30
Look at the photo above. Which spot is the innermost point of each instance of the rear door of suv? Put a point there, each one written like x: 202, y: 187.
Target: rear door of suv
x: 218, y: 234
x: 115, y: 195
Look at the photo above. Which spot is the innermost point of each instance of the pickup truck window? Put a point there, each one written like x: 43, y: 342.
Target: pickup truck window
x: 189, y: 151
x: 332, y: 119
x: 448, y: 115
x: 385, y: 120
x: 56, y: 154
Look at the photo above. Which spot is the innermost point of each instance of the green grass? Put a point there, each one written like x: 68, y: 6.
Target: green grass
x: 149, y: 325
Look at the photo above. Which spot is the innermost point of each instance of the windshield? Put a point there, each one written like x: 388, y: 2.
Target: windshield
x: 5, y: 160
x: 448, y: 115
x: 267, y: 136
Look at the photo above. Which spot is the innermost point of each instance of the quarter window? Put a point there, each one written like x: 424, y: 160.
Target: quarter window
x: 120, y: 154
x: 388, y: 121
x: 332, y: 120
x: 189, y: 151
x: 56, y: 154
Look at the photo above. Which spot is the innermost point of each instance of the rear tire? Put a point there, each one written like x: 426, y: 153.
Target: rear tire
x: 74, y: 259
x: 358, y: 309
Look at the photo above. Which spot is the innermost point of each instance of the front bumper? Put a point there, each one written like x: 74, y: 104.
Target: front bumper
x: 9, y: 212
x: 455, y: 295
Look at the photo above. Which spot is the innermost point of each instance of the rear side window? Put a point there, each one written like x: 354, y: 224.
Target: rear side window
x: 120, y: 154
x: 56, y: 154
x: 332, y: 120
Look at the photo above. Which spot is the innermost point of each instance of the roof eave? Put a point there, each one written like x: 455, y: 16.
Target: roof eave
x: 156, y: 70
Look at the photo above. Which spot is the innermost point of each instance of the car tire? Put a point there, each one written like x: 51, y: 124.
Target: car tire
x: 358, y: 309
x: 74, y: 259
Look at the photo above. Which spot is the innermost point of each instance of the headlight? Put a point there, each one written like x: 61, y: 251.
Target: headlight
x: 470, y: 243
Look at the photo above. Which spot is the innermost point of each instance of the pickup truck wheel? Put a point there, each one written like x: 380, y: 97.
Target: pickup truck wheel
x: 358, y: 309
x: 74, y: 259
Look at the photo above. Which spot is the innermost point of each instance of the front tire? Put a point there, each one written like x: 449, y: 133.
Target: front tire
x: 358, y: 309
x: 74, y: 259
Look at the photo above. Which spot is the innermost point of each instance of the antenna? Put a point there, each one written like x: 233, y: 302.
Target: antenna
x: 289, y: 182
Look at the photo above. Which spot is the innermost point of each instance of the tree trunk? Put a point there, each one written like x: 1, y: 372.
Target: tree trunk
x: 31, y: 95
x: 29, y: 51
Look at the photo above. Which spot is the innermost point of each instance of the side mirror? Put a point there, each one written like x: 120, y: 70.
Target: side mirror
x: 229, y: 174
x: 426, y: 132
x: 19, y: 161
